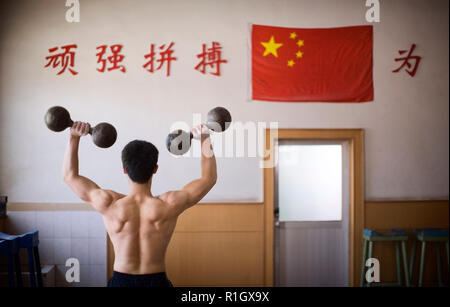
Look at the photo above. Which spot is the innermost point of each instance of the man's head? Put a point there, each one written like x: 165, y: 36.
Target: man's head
x: 139, y: 159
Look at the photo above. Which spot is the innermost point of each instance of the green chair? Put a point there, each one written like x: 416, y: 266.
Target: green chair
x: 395, y: 235
x: 431, y: 235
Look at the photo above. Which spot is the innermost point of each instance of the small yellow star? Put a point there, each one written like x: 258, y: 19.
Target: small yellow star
x: 290, y: 63
x: 293, y: 35
x: 271, y: 47
x: 300, y: 43
x: 299, y: 54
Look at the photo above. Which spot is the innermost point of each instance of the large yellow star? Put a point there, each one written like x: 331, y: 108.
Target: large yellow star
x: 271, y: 47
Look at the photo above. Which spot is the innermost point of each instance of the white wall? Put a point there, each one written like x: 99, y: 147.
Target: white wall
x: 407, y: 126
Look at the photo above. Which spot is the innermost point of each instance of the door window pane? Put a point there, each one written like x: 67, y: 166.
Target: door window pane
x: 310, y: 182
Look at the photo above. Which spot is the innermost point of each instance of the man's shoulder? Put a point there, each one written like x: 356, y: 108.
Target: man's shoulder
x: 113, y: 195
x: 172, y: 197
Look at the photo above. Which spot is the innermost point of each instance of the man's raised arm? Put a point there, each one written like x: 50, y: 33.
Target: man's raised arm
x: 194, y: 191
x: 83, y: 187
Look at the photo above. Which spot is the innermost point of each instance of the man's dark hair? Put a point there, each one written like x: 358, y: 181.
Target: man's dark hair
x: 139, y: 159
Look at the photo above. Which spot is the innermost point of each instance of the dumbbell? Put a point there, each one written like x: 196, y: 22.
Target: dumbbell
x: 178, y: 141
x: 58, y: 119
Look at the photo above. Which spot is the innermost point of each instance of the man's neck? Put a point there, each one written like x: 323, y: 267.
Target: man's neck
x: 138, y: 189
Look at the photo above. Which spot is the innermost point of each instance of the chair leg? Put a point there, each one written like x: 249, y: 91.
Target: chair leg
x: 446, y: 246
x: 10, y: 271
x: 405, y: 264
x: 31, y: 267
x: 18, y: 270
x: 37, y: 261
x: 363, y: 265
x: 422, y: 263
x: 370, y: 256
x: 399, y: 270
x: 412, y: 260
x: 438, y: 259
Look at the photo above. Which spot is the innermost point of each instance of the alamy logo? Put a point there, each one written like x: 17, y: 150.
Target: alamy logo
x: 242, y: 139
x: 73, y: 13
x: 373, y: 13
x: 73, y: 273
x: 373, y: 271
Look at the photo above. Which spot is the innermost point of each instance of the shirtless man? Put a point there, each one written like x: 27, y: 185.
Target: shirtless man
x: 139, y: 224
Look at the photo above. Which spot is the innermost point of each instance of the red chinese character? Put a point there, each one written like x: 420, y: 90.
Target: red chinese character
x: 406, y: 61
x: 165, y: 56
x: 210, y: 57
x: 151, y: 55
x: 64, y: 59
x: 115, y: 59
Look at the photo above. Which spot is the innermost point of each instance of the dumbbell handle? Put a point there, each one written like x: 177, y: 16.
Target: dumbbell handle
x: 206, y: 125
x: 90, y: 128
x: 191, y: 135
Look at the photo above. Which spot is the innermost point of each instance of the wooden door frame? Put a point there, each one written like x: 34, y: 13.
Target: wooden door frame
x: 355, y: 137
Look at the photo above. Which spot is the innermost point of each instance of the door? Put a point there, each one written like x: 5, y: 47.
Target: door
x: 311, y: 213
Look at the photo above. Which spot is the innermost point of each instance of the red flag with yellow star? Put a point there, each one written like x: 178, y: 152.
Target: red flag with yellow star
x: 312, y: 65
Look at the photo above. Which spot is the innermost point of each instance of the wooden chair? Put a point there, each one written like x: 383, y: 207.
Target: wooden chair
x: 432, y: 236
x: 11, y: 249
x: 395, y: 235
x: 30, y: 241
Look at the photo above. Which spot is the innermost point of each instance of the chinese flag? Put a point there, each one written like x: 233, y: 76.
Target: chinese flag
x: 314, y: 65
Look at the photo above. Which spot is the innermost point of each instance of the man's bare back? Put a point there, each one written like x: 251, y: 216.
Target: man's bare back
x: 140, y: 231
x: 140, y: 225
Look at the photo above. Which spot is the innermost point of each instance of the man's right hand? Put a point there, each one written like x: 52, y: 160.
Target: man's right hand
x: 79, y: 129
x: 200, y: 132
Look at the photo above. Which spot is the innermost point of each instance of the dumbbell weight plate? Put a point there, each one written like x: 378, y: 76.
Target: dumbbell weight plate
x: 218, y: 119
x: 57, y: 119
x: 178, y: 142
x: 104, y: 135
